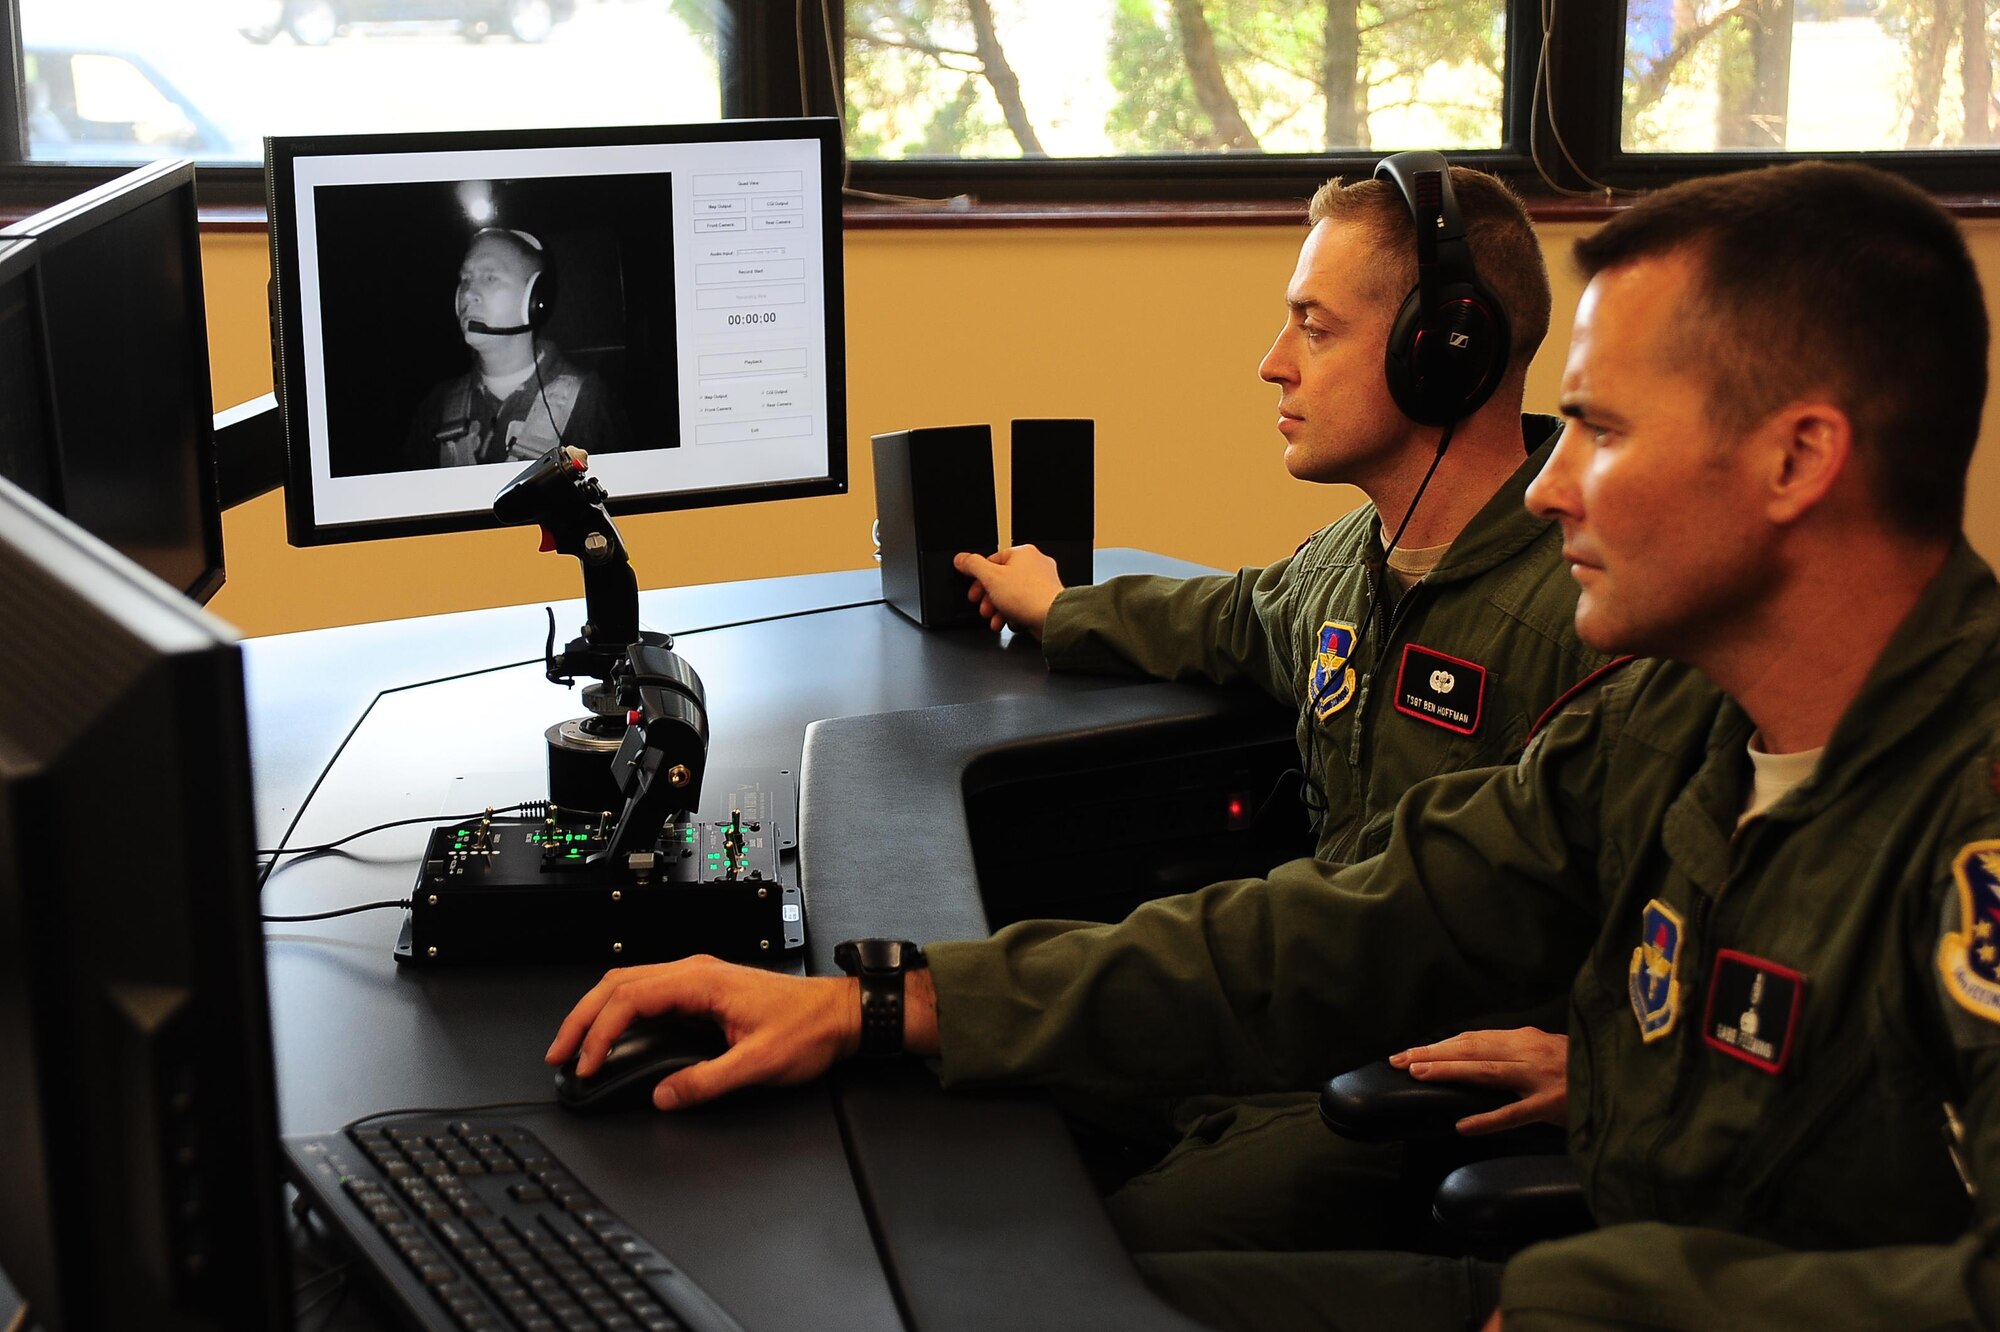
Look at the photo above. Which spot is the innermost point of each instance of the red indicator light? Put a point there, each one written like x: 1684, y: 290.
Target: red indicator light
x: 1236, y: 809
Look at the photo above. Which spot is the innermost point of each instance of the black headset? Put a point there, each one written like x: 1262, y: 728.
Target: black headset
x: 538, y: 298
x: 1448, y: 347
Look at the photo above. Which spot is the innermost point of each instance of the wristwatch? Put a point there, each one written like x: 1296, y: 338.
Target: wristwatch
x: 881, y: 964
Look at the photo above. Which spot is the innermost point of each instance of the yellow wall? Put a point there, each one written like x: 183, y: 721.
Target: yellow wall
x: 1155, y: 333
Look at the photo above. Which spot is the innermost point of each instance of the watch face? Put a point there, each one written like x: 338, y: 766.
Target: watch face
x: 878, y: 955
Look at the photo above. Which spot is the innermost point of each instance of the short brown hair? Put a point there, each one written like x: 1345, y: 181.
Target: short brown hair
x: 1820, y: 278
x: 1497, y: 230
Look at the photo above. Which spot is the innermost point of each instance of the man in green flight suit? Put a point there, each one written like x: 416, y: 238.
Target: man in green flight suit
x: 1769, y: 863
x: 1473, y: 598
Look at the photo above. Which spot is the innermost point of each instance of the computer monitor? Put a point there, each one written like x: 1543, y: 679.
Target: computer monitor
x: 27, y: 435
x: 126, y: 335
x: 450, y: 306
x: 138, y: 1106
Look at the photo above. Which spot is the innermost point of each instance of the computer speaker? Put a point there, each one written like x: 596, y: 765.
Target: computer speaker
x: 933, y: 499
x: 1055, y: 493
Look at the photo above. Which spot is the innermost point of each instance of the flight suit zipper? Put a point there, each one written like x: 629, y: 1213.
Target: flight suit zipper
x: 1390, y: 623
x: 1695, y: 1080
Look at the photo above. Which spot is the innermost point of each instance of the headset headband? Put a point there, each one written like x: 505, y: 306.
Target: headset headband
x: 1424, y: 181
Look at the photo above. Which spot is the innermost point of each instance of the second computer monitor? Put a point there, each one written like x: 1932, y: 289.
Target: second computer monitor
x: 125, y: 442
x: 451, y: 306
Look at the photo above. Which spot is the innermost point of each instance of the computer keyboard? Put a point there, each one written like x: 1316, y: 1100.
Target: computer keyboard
x: 476, y: 1227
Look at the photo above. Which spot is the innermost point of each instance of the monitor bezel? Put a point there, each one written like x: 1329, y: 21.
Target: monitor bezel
x: 20, y: 261
x: 159, y: 645
x: 281, y: 153
x: 54, y: 227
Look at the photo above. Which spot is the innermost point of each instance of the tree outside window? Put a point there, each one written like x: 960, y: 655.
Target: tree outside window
x: 1096, y: 78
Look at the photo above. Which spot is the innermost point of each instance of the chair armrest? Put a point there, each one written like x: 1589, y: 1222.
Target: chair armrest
x: 1498, y: 1206
x: 1378, y: 1103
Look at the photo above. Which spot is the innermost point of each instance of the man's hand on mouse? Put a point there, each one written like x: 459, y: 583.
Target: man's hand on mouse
x: 781, y: 1029
x: 1016, y: 586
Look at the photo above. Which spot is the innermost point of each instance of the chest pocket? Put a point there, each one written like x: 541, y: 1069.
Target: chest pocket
x: 1852, y: 1152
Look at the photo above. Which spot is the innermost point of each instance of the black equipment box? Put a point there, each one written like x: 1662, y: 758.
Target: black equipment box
x: 530, y: 892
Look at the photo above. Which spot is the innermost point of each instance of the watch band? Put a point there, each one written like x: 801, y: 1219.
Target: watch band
x: 881, y: 965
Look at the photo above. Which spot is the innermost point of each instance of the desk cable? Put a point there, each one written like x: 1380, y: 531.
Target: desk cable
x: 282, y: 850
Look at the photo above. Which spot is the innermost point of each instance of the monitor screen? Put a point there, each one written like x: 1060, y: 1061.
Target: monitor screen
x: 126, y: 335
x: 27, y: 439
x: 450, y: 306
x: 138, y: 1106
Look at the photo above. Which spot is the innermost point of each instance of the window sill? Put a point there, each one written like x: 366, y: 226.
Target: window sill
x: 968, y: 214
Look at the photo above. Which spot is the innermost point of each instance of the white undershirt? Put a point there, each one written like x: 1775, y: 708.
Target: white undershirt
x: 1774, y: 775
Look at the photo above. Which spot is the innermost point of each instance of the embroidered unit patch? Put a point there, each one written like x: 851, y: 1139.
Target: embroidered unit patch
x: 1656, y: 988
x: 1969, y: 958
x: 1444, y: 691
x: 1333, y: 676
x: 1753, y: 1009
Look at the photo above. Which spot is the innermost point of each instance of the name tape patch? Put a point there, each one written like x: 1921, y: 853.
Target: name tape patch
x: 1753, y: 1009
x: 1442, y: 690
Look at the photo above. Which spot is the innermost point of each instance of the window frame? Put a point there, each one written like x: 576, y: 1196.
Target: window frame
x: 761, y: 75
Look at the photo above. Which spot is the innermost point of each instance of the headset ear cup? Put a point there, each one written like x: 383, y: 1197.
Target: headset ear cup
x: 538, y: 302
x: 1400, y: 362
x: 1445, y: 374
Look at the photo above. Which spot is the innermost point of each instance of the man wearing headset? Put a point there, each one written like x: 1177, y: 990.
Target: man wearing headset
x: 1435, y: 655
x: 521, y: 396
x: 1767, y: 863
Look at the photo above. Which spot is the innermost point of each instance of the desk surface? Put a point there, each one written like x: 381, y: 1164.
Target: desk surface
x: 866, y: 1201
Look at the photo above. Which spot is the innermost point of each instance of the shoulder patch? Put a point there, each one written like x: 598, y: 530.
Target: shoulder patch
x: 1332, y: 674
x: 1969, y: 957
x: 1654, y: 982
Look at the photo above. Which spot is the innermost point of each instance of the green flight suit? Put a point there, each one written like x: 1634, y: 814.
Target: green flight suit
x: 1766, y: 1025
x: 1501, y: 604
x: 1497, y: 613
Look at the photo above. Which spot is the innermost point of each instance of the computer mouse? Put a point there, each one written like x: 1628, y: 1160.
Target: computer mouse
x: 647, y: 1051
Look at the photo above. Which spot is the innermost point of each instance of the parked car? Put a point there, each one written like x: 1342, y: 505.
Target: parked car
x: 94, y: 104
x: 317, y: 22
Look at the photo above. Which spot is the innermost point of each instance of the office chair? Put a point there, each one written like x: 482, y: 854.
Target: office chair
x: 1493, y: 1193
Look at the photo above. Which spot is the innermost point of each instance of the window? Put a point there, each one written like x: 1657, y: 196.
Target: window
x: 1037, y: 101
x: 126, y: 80
x: 1109, y: 78
x: 1808, y: 75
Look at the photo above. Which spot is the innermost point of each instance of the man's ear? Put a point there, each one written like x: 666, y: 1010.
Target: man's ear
x: 1810, y: 446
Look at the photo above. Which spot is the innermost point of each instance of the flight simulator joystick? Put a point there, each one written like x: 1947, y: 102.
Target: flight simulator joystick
x: 588, y: 754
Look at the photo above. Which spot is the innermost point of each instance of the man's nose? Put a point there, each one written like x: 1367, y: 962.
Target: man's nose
x: 1276, y: 367
x: 1552, y: 494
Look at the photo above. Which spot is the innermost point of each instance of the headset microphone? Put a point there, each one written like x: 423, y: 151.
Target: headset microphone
x: 481, y: 326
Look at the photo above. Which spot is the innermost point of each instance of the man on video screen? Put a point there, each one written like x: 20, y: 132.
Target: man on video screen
x: 521, y: 396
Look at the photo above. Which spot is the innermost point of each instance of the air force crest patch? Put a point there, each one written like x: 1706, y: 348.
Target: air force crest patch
x: 1969, y: 957
x: 1656, y: 988
x: 1333, y: 674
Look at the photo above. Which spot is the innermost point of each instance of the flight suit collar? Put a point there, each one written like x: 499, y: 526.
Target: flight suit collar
x: 1503, y: 527
x: 1949, y: 632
